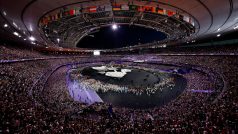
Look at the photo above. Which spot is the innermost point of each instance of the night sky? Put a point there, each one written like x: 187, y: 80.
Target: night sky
x: 125, y: 35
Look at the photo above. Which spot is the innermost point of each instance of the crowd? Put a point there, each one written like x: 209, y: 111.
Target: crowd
x: 30, y: 104
x: 9, y: 53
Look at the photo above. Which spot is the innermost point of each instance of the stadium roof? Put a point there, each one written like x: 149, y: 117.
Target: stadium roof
x: 63, y: 23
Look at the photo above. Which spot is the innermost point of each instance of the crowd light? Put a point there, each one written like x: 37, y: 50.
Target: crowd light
x: 31, y: 29
x: 32, y: 38
x: 14, y: 24
x: 4, y: 13
x: 5, y: 25
x: 15, y: 33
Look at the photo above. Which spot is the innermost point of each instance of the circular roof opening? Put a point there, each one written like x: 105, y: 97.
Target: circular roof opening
x: 123, y: 36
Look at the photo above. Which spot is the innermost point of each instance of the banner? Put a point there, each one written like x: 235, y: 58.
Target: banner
x: 116, y: 7
x: 92, y: 9
x: 71, y: 12
x: 154, y: 10
x: 161, y: 11
x: 124, y: 7
x: 140, y: 9
x: 148, y: 9
x: 170, y: 13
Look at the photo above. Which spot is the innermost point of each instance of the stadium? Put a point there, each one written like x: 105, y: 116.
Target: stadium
x: 119, y: 66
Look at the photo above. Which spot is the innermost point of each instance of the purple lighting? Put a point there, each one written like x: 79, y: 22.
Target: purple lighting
x: 201, y: 91
x: 82, y: 93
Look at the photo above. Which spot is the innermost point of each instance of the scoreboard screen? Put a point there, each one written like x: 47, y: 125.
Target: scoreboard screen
x: 96, y: 52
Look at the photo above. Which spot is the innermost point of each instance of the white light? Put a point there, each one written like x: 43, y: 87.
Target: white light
x: 14, y: 24
x: 15, y: 33
x: 24, y: 39
x: 114, y: 26
x: 236, y: 27
x: 218, y: 29
x: 58, y: 40
x: 33, y: 43
x: 4, y: 13
x: 218, y: 35
x: 5, y: 25
x: 32, y: 38
x: 31, y: 29
x: 19, y: 36
x: 96, y: 52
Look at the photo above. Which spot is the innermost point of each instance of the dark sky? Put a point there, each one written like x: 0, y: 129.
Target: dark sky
x: 125, y: 35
